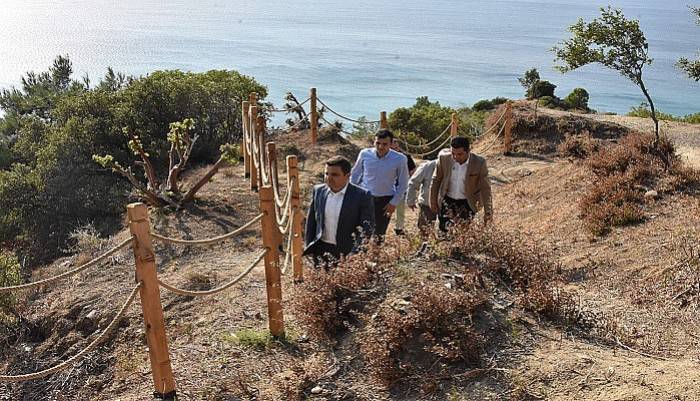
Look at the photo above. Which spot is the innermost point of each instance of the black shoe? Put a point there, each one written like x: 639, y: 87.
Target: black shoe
x: 399, y: 232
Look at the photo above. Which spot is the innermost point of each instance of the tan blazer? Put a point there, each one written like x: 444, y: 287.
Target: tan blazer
x: 477, y: 185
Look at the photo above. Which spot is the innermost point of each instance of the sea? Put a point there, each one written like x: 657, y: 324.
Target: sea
x: 363, y: 56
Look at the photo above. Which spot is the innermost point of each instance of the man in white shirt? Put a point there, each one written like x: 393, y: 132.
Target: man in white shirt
x: 460, y: 186
x: 340, y: 217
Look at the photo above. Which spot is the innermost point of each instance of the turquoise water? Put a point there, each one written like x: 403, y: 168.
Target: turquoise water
x: 363, y: 56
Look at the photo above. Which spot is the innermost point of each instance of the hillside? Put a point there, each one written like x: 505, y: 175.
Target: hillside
x: 620, y: 280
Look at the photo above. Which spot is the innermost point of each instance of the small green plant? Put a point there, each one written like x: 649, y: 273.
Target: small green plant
x: 259, y: 339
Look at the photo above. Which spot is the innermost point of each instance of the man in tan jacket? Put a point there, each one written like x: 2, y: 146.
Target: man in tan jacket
x: 460, y: 186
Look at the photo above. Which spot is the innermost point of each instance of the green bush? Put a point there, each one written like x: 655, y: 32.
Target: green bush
x: 643, y: 111
x: 487, y: 105
x: 52, y: 184
x: 577, y: 99
x: 552, y: 102
x: 425, y: 120
x: 540, y: 89
x: 9, y: 276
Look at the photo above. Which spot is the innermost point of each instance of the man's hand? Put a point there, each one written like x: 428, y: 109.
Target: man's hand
x: 389, y: 209
x: 412, y: 207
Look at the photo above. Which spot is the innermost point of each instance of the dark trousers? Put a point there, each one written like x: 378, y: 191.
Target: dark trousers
x: 381, y: 220
x: 454, y: 209
x: 324, y: 255
x: 426, y: 219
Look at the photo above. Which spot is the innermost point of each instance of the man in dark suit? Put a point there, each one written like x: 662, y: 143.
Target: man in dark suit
x: 340, y: 217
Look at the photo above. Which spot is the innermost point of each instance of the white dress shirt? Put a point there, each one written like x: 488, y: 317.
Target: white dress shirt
x: 331, y: 214
x: 456, y: 189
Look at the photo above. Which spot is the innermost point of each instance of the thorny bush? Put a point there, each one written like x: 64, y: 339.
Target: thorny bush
x: 623, y: 173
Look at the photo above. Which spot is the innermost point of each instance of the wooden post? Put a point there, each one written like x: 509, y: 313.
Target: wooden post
x: 454, y: 126
x: 254, y: 150
x: 140, y: 228
x: 507, y: 140
x: 253, y: 99
x: 314, y: 117
x: 272, y: 268
x: 260, y: 129
x: 295, y: 187
x: 383, y: 123
x: 274, y: 178
x: 246, y: 138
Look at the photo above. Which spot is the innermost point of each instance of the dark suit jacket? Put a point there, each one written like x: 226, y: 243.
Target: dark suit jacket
x: 356, y: 213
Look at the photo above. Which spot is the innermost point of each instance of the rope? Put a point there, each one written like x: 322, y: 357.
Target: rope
x: 70, y: 272
x: 494, y: 125
x: 276, y: 186
x: 298, y: 123
x: 437, y: 149
x: 70, y: 361
x: 432, y: 141
x: 333, y: 125
x: 493, y: 141
x: 288, y: 251
x: 274, y: 110
x: 282, y: 220
x: 238, y: 278
x: 348, y: 118
x: 208, y: 240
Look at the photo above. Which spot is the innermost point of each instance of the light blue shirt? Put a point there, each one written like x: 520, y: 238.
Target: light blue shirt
x: 385, y: 176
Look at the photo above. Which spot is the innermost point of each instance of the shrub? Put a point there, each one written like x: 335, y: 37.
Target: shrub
x: 9, y: 276
x: 487, y: 105
x: 578, y: 146
x: 436, y: 325
x: 321, y: 302
x: 623, y: 172
x: 541, y: 88
x: 552, y: 103
x: 425, y: 120
x: 57, y: 124
x: 577, y: 99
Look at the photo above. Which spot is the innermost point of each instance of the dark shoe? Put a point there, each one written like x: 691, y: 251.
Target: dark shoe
x: 399, y: 232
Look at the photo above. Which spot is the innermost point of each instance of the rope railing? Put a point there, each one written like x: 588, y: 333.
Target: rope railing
x: 436, y: 149
x: 72, y: 360
x: 207, y: 241
x: 495, y: 138
x: 433, y: 141
x: 333, y: 125
x: 493, y: 126
x: 238, y: 278
x: 288, y: 248
x: 298, y: 123
x: 290, y: 109
x: 71, y: 272
x: 282, y: 217
x: 348, y: 118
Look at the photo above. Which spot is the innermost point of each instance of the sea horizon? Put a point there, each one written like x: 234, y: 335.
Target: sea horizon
x: 362, y: 57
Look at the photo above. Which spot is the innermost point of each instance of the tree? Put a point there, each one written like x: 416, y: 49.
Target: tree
x: 691, y: 67
x: 577, y: 99
x: 167, y: 192
x: 613, y: 41
x: 527, y: 81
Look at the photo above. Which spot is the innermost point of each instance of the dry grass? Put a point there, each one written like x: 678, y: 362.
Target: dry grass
x: 625, y: 172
